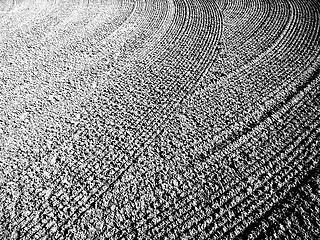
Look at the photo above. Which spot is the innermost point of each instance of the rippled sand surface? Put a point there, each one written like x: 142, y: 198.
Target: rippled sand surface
x: 149, y: 119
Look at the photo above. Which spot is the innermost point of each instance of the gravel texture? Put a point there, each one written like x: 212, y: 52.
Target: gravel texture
x: 149, y: 119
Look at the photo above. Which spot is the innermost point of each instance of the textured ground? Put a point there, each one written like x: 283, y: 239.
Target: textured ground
x: 149, y: 119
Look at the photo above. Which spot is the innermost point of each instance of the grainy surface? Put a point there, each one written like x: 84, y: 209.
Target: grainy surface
x: 149, y: 119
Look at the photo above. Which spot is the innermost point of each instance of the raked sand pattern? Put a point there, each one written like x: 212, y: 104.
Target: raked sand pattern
x: 159, y: 119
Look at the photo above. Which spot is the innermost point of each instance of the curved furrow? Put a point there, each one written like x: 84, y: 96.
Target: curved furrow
x: 242, y: 13
x: 138, y: 119
x: 205, y: 212
x: 181, y: 208
x: 238, y: 53
x: 251, y: 74
x: 252, y: 41
x: 103, y: 192
x: 292, y: 215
